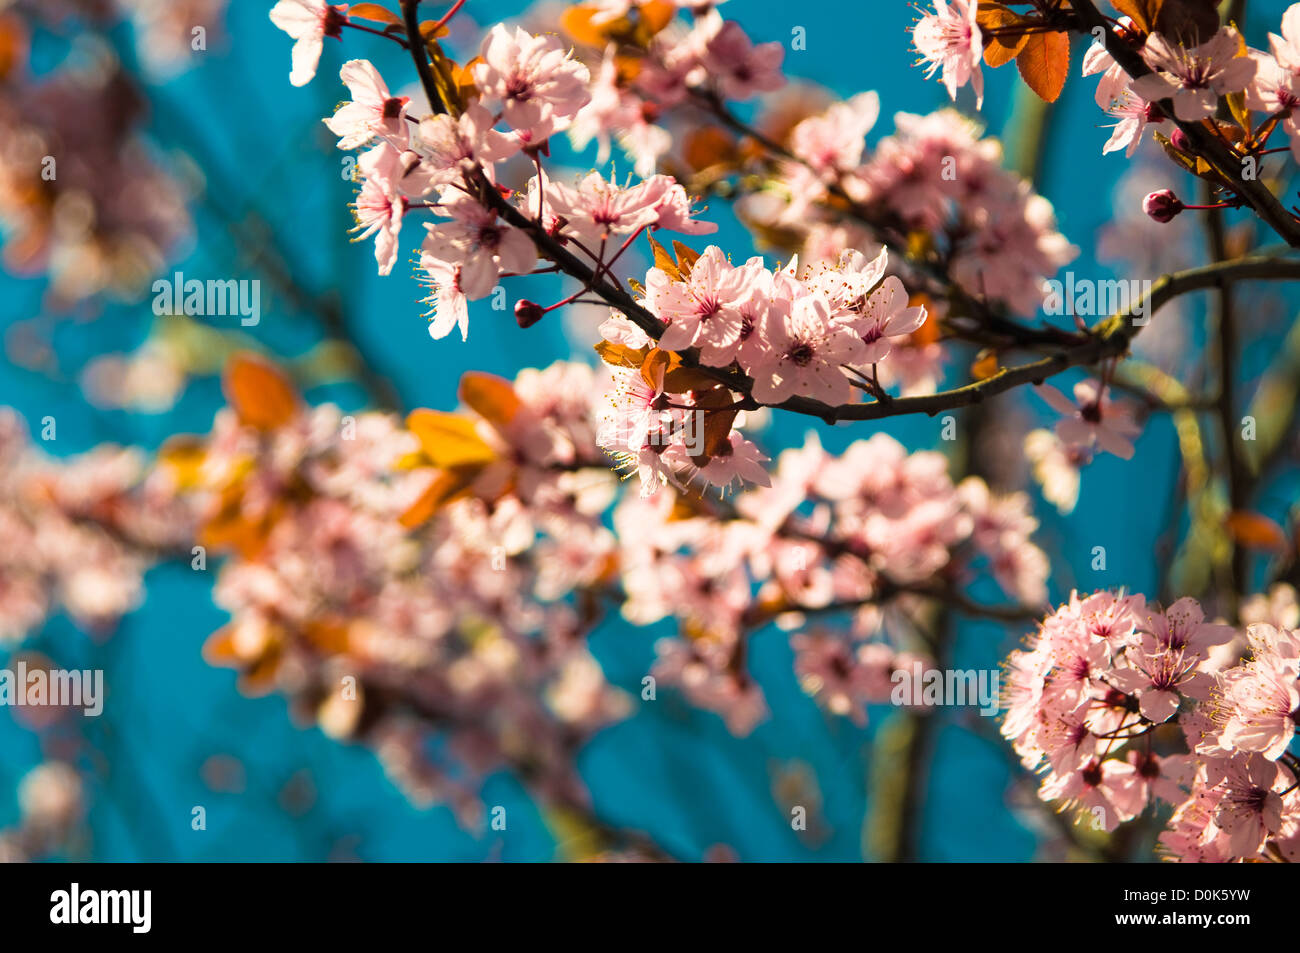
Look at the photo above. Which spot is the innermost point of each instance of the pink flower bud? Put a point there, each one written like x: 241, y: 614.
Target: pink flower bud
x: 1180, y: 141
x: 1162, y: 205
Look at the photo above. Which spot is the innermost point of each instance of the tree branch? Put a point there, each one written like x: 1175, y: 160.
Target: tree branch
x: 1225, y: 162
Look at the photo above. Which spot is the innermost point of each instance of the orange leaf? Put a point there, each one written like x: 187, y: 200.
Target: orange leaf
x: 430, y: 30
x: 465, y: 80
x: 620, y: 355
x: 656, y: 366
x: 219, y: 648
x: 1044, y: 63
x: 13, y: 43
x: 184, y: 456
x: 709, y: 146
x: 686, y: 258
x: 576, y: 21
x: 329, y: 634
x: 491, y: 397
x: 231, y: 529
x: 719, y: 414
x: 657, y: 14
x: 664, y: 261
x: 928, y: 333
x: 260, y: 677
x: 1255, y: 531
x: 1000, y: 50
x: 985, y: 366
x: 449, y: 440
x: 375, y: 13
x: 1143, y: 12
x: 259, y: 392
x: 444, y: 488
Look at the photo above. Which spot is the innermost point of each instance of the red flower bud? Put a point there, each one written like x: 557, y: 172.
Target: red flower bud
x: 1162, y: 205
x: 528, y: 313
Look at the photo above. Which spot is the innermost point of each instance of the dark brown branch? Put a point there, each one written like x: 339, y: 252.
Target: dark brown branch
x: 411, y: 20
x: 1252, y: 191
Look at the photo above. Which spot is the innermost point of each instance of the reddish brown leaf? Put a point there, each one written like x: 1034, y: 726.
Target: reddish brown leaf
x: 1044, y: 63
x: 620, y: 355
x: 445, y: 487
x: 1002, y: 49
x: 1143, y: 12
x: 664, y: 261
x: 375, y: 13
x: 449, y: 440
x: 1255, y: 531
x: 259, y: 392
x: 491, y: 397
x: 707, y: 147
x: 686, y: 258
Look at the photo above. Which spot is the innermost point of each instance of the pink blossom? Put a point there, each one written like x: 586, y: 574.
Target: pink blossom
x: 1286, y: 48
x: 1056, y: 467
x: 597, y: 209
x: 380, y: 204
x: 1194, y: 78
x: 806, y: 348
x: 372, y: 112
x: 832, y: 142
x: 885, y: 314
x: 1261, y: 699
x: 448, y: 300
x: 450, y: 147
x: 478, y: 242
x: 742, y: 68
x: 1114, y: 81
x: 540, y: 86
x: 1093, y: 419
x: 308, y: 22
x: 1158, y: 679
x: 1133, y: 113
x: 736, y: 462
x: 1276, y: 89
x: 616, y: 111
x: 673, y: 207
x: 1111, y: 791
x: 1250, y: 806
x: 950, y: 38
x: 704, y: 309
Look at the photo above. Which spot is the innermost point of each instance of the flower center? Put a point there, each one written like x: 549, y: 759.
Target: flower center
x: 801, y: 354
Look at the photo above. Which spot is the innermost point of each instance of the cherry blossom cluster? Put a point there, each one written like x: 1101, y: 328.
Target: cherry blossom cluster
x: 521, y: 90
x: 935, y: 175
x: 79, y: 532
x: 395, y: 601
x: 1192, y: 66
x: 811, y: 332
x: 81, y: 198
x: 818, y: 328
x: 436, y: 579
x: 1121, y: 704
x: 645, y: 64
x: 873, y: 534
